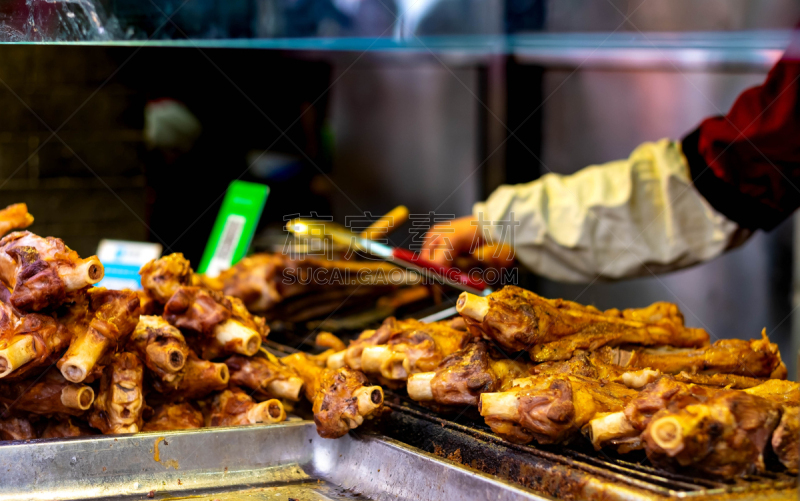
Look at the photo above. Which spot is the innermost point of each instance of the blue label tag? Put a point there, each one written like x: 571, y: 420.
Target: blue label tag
x: 122, y: 260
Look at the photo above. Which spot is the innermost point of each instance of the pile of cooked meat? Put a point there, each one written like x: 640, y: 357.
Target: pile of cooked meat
x: 553, y: 372
x: 185, y: 352
x: 81, y: 360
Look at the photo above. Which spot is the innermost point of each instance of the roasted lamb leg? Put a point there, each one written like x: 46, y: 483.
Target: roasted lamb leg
x: 114, y: 315
x: 48, y: 394
x: 234, y: 407
x: 120, y: 400
x: 412, y: 347
x: 265, y: 375
x: 757, y: 358
x: 222, y: 324
x: 461, y: 378
x: 162, y: 277
x: 28, y: 342
x: 341, y: 398
x: 725, y: 436
x: 550, y: 408
x: 167, y: 417
x: 161, y: 346
x: 553, y: 329
x: 197, y: 379
x: 43, y: 271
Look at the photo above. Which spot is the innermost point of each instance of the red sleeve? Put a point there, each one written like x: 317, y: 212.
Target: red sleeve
x: 747, y: 163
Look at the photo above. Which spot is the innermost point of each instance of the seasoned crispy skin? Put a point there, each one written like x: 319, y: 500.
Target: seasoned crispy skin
x: 120, y: 400
x: 553, y: 329
x: 412, y: 347
x: 757, y: 358
x: 14, y: 217
x: 550, y: 408
x: 16, y: 428
x: 161, y: 346
x: 786, y: 439
x: 162, y: 277
x: 234, y: 407
x: 48, y: 394
x: 197, y: 309
x: 169, y: 417
x: 114, y: 315
x: 67, y: 427
x: 341, y: 397
x: 42, y: 271
x: 222, y: 324
x: 462, y: 377
x: 197, y: 379
x: 266, y: 375
x: 725, y: 436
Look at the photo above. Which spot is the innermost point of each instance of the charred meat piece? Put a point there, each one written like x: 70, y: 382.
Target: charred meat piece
x: 16, y: 428
x: 234, y: 407
x: 42, y: 271
x: 48, y: 394
x: 67, y: 427
x: 28, y: 342
x: 412, y: 347
x: 265, y: 375
x: 725, y: 436
x: 519, y: 320
x: 14, y: 217
x: 162, y: 277
x: 168, y: 417
x: 462, y: 377
x: 341, y: 397
x: 222, y: 324
x: 550, y: 408
x: 114, y: 314
x: 757, y: 358
x: 120, y: 400
x: 786, y: 439
x: 197, y: 379
x: 161, y: 346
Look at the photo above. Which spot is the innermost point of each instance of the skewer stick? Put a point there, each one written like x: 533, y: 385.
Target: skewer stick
x: 503, y: 405
x: 472, y: 306
x: 286, y: 388
x: 383, y: 226
x: 369, y: 398
x: 88, y: 271
x: 419, y: 386
x: 269, y: 411
x: 77, y: 396
x: 241, y: 339
x: 16, y: 355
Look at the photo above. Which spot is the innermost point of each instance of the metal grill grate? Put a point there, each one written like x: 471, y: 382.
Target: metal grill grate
x: 614, y: 473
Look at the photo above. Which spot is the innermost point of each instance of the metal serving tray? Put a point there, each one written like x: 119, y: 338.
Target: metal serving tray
x: 287, y: 461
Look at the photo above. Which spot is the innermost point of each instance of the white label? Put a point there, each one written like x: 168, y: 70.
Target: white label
x: 223, y: 254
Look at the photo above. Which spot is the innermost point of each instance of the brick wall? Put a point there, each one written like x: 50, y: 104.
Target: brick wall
x: 65, y: 197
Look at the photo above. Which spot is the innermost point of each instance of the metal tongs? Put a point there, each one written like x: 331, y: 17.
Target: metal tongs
x: 403, y: 258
